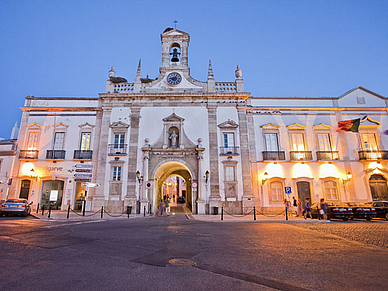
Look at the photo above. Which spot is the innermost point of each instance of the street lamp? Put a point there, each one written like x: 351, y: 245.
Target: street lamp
x: 207, y: 174
x: 348, y: 177
x: 265, y: 177
x: 139, y: 178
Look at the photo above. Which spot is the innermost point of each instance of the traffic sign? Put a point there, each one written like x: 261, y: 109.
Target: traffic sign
x: 90, y: 185
x: 287, y: 190
x: 194, y: 185
x: 148, y: 185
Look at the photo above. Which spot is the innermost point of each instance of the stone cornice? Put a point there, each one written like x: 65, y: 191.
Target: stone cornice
x: 60, y: 109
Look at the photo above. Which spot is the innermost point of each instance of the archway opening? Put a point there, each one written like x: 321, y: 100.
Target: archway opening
x: 378, y: 187
x: 173, y: 180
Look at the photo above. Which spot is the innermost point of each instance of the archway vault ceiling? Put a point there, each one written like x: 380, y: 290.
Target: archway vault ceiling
x: 172, y: 169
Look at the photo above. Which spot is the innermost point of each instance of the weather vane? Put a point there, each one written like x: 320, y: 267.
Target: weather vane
x: 175, y: 22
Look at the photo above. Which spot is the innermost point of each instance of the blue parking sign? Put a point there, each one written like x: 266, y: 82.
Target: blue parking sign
x: 287, y: 190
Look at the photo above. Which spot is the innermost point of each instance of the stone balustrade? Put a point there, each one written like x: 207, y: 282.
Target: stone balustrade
x: 226, y: 87
x: 123, y: 87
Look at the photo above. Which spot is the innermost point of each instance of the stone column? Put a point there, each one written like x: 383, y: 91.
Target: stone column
x: 144, y: 199
x: 100, y: 155
x: 245, y: 160
x: 201, y: 201
x: 130, y: 198
x: 215, y: 198
x: 253, y: 159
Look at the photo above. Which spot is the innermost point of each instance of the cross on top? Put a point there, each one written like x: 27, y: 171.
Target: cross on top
x: 175, y: 22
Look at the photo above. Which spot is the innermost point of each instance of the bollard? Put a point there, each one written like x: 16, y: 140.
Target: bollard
x: 42, y: 209
x: 68, y: 212
x: 254, y: 213
x: 49, y: 214
x: 144, y: 210
x: 286, y: 213
x: 37, y: 208
x: 83, y: 212
x: 102, y: 211
x: 149, y: 212
x: 222, y: 213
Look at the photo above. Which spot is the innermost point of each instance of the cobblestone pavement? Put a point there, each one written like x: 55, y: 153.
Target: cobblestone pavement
x: 374, y: 232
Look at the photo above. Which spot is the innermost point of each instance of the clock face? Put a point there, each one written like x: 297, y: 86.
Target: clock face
x: 174, y: 79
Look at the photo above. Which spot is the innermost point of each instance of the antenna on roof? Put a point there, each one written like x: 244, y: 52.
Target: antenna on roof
x: 175, y: 22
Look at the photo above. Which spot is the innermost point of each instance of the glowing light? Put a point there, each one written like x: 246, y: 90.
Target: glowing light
x: 329, y: 170
x: 374, y: 165
x: 301, y: 170
x: 275, y: 170
x: 28, y: 169
x: 376, y: 171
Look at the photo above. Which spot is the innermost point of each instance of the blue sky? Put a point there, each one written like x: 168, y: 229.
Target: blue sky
x: 285, y: 48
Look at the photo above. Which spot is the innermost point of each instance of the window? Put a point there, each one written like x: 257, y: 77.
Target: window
x: 85, y: 141
x: 230, y: 173
x: 331, y: 190
x: 116, y: 174
x: 33, y: 138
x: 228, y: 140
x: 59, y: 140
x: 297, y: 142
x: 276, y: 189
x: 324, y: 142
x: 119, y: 140
x: 271, y: 142
x: 369, y: 142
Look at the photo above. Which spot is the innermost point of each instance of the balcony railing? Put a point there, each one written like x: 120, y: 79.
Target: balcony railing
x: 274, y: 156
x: 55, y: 155
x: 301, y: 156
x: 28, y: 154
x: 117, y: 149
x: 373, y: 155
x: 83, y: 155
x: 327, y: 155
x: 229, y: 151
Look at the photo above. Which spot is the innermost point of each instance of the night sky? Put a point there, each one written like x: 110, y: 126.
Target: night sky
x: 284, y: 48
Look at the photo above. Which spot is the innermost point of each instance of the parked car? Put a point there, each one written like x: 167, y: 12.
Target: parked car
x: 334, y: 211
x: 360, y: 210
x: 180, y: 199
x: 15, y: 206
x: 381, y: 208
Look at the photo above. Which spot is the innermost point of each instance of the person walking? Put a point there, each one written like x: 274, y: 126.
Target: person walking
x: 167, y: 204
x: 323, y: 209
x: 295, y: 204
x: 307, y: 209
x: 160, y: 209
x: 299, y: 211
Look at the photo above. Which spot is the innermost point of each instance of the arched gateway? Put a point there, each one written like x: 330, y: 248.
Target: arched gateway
x: 174, y: 154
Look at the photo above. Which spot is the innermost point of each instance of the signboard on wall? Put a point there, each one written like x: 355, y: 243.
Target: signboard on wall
x: 53, y: 195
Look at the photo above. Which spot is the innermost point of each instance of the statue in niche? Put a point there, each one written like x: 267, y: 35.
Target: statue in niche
x: 174, y: 138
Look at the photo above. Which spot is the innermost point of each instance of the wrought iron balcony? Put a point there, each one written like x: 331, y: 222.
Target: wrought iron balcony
x: 229, y: 151
x: 28, y: 154
x: 327, y: 156
x: 301, y: 156
x: 117, y: 149
x: 373, y: 155
x: 83, y: 155
x: 55, y: 155
x: 274, y: 156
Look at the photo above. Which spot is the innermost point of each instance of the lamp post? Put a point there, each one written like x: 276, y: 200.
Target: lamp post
x: 207, y: 174
x: 140, y: 180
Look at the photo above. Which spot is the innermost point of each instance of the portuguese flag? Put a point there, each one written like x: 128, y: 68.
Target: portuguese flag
x: 349, y: 125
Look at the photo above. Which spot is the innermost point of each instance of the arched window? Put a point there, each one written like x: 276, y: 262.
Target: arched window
x: 277, y: 192
x: 331, y: 190
x: 378, y: 187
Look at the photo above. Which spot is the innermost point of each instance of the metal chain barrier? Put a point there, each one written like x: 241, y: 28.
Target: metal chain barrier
x: 112, y: 215
x: 88, y: 215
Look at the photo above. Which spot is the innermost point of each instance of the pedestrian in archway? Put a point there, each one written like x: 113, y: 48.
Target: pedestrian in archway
x: 167, y: 204
x: 323, y: 209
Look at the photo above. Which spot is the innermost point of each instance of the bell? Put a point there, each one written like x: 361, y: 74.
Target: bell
x: 175, y: 54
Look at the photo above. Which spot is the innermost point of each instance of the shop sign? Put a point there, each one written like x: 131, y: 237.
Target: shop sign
x: 83, y: 175
x: 84, y: 170
x: 83, y: 166
x: 53, y: 169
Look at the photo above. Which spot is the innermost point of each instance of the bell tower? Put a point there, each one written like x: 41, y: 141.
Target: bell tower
x: 175, y: 49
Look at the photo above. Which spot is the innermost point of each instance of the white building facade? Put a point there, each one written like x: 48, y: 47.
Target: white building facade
x: 227, y: 148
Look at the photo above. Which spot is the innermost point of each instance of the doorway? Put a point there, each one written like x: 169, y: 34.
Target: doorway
x: 378, y: 187
x: 304, y: 192
x: 25, y: 189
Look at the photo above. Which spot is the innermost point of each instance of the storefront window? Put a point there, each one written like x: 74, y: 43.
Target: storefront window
x: 52, y: 192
